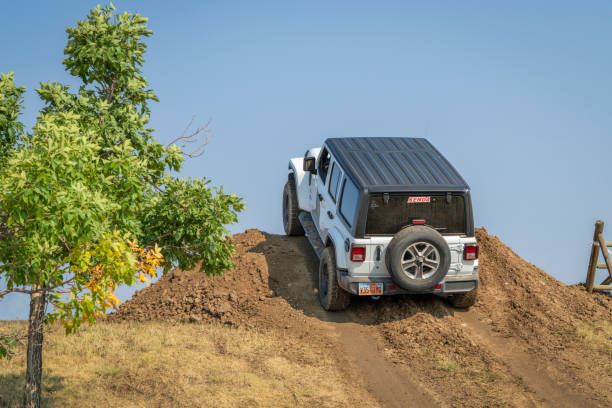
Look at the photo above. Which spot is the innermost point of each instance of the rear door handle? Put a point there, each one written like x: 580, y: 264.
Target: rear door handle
x: 330, y: 215
x: 320, y: 197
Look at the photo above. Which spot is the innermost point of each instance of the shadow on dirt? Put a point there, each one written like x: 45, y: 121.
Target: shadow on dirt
x: 12, y: 386
x: 293, y: 269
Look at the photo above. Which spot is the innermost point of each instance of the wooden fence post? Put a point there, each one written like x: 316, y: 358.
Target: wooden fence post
x: 604, y: 250
x: 599, y: 225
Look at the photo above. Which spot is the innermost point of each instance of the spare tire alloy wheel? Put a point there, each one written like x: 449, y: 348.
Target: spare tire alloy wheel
x: 418, y: 258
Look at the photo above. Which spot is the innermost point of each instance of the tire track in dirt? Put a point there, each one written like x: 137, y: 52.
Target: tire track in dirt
x: 393, y: 386
x: 521, y: 365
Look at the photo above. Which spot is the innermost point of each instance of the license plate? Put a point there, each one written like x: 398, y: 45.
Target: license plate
x: 370, y: 289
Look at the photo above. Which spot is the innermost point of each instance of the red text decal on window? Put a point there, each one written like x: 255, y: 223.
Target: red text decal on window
x: 419, y: 200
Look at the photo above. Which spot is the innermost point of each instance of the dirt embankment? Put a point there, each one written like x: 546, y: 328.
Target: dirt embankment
x: 529, y: 341
x: 245, y: 296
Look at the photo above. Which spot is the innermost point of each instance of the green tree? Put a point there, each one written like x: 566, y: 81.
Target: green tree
x: 87, y: 201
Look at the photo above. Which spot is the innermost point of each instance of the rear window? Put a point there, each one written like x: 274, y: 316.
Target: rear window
x: 386, y: 216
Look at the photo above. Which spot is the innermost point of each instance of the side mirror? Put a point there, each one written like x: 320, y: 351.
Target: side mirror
x: 309, y: 165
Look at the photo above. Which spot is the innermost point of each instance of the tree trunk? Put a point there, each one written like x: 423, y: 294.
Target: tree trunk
x: 34, y: 353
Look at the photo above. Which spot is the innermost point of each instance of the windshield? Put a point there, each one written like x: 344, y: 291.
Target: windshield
x: 390, y: 212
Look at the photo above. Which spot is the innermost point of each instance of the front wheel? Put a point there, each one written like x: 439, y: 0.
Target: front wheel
x: 291, y: 222
x: 464, y: 300
x: 331, y: 295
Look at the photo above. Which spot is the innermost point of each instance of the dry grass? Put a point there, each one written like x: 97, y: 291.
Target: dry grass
x: 180, y: 365
x: 467, y: 375
x: 476, y: 380
x: 597, y: 336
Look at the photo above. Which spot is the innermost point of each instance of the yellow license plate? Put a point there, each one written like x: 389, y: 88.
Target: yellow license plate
x: 370, y: 289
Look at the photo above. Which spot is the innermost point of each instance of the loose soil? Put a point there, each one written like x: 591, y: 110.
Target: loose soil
x: 529, y: 341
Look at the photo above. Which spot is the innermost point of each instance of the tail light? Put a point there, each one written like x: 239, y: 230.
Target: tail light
x: 357, y: 254
x: 470, y: 252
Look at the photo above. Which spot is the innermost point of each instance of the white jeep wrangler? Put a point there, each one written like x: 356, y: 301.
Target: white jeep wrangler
x: 385, y: 216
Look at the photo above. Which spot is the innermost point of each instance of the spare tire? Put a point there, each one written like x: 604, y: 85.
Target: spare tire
x: 418, y: 258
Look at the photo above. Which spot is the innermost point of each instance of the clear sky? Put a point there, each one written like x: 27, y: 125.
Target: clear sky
x: 517, y: 96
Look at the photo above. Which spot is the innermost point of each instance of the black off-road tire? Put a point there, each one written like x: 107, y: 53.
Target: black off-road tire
x: 332, y: 297
x: 464, y: 300
x: 291, y: 222
x: 398, y: 245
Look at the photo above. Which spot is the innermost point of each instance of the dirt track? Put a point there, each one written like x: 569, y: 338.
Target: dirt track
x: 517, y: 347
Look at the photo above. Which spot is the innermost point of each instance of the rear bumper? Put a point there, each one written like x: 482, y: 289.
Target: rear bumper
x: 448, y: 286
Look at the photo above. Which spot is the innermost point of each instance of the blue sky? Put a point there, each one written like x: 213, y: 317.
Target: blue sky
x: 517, y: 96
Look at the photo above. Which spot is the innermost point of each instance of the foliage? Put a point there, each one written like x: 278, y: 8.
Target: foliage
x: 87, y: 201
x: 187, y: 218
x: 11, y: 102
x: 8, y: 342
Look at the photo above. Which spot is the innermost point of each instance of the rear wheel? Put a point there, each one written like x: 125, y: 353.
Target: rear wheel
x: 291, y: 222
x: 464, y: 300
x: 331, y: 295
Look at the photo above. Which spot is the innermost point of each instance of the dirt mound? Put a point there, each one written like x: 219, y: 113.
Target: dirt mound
x: 519, y: 340
x: 520, y: 345
x: 242, y: 296
x: 519, y: 298
x: 524, y: 301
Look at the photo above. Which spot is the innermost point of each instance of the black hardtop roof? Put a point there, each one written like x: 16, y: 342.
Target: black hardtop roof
x: 388, y: 164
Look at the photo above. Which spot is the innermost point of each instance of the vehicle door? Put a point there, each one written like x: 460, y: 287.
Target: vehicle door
x: 327, y: 195
x: 313, y: 185
x: 309, y: 192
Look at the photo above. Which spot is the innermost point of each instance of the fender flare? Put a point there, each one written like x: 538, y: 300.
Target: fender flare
x: 335, y: 239
x: 298, y: 174
x: 295, y: 164
x: 302, y: 178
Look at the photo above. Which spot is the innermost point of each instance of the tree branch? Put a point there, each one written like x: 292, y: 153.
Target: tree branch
x: 187, y: 140
x: 41, y: 289
x: 7, y: 291
x: 52, y: 288
x: 18, y: 336
x: 156, y: 240
x: 110, y: 91
x: 57, y: 268
x: 109, y: 95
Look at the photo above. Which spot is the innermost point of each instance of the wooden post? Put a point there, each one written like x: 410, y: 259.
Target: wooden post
x: 599, y: 225
x: 606, y: 254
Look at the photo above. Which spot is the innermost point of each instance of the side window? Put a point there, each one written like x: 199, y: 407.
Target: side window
x: 349, y: 201
x: 323, y: 164
x: 334, y: 181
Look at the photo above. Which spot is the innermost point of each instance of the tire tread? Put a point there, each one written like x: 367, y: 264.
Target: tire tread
x: 337, y: 298
x: 294, y: 226
x: 464, y: 300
